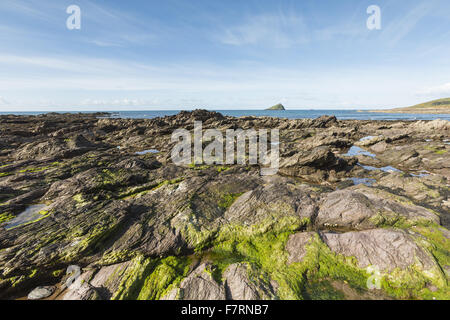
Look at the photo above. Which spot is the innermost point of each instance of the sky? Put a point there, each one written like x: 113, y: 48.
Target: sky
x: 222, y: 54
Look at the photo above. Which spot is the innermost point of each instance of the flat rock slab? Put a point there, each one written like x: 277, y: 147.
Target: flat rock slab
x: 363, y: 208
x: 297, y: 245
x: 240, y: 286
x: 384, y: 248
x: 41, y: 293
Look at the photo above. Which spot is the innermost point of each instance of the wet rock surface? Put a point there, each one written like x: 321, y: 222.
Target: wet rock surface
x: 41, y: 293
x: 140, y: 227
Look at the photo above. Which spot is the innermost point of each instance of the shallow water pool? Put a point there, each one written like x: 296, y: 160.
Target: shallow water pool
x: 31, y: 214
x: 147, y: 151
x: 355, y: 151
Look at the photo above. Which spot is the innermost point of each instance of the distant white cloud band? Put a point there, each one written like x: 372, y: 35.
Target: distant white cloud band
x: 441, y: 90
x: 3, y: 102
x: 125, y: 102
x: 279, y: 31
x: 106, y: 83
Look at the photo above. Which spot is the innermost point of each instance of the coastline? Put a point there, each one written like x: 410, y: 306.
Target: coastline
x: 414, y: 111
x: 106, y: 196
x: 286, y: 114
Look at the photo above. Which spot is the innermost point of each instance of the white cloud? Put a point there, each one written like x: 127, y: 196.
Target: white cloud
x: 125, y: 102
x: 3, y: 102
x: 73, y: 81
x: 123, y: 40
x: 276, y: 30
x: 440, y: 90
x: 102, y: 43
x: 400, y: 28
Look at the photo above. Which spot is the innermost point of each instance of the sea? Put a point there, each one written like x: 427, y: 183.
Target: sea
x: 290, y: 114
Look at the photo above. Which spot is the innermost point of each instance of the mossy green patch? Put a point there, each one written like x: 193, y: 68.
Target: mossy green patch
x: 5, y: 217
x: 148, y: 279
x: 5, y: 174
x: 436, y: 150
x: 114, y: 257
x: 33, y: 170
x: 96, y: 237
x: 440, y: 244
x: 222, y: 169
x: 78, y: 198
x: 321, y: 290
x: 57, y: 273
x: 390, y: 219
x: 265, y: 248
x: 80, y: 201
x: 198, y: 167
x: 262, y: 245
x: 143, y: 190
x: 228, y: 199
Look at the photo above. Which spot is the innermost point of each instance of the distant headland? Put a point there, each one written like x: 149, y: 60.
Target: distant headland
x: 440, y: 106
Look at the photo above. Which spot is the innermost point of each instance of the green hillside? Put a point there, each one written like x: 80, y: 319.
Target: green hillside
x: 435, y: 104
x: 440, y: 106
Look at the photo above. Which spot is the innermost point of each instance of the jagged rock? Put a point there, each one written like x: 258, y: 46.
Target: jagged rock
x: 281, y: 198
x: 199, y: 285
x: 430, y: 125
x: 81, y: 289
x: 379, y: 147
x: 404, y: 156
x: 56, y: 148
x: 318, y: 157
x: 324, y: 122
x: 370, y: 141
x: 108, y: 279
x: 240, y: 285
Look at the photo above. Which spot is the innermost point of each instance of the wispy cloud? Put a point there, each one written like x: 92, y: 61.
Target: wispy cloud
x: 122, y: 102
x: 401, y: 27
x: 287, y: 30
x: 3, y: 102
x: 277, y: 30
x: 124, y: 40
x: 440, y: 90
x: 105, y: 44
x: 30, y: 8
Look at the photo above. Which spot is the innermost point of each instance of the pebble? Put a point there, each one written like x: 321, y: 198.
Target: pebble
x: 41, y: 293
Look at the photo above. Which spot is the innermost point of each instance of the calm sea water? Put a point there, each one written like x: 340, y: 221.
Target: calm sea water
x: 291, y: 114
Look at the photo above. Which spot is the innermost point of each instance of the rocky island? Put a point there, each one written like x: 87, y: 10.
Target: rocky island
x: 358, y: 210
x: 277, y: 107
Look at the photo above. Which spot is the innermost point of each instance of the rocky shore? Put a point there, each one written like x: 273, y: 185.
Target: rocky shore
x: 354, y: 203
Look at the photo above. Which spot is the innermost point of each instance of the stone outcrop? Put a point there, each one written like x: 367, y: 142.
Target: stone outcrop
x: 141, y: 227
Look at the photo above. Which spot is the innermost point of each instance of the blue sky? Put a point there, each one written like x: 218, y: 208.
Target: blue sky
x: 227, y: 54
